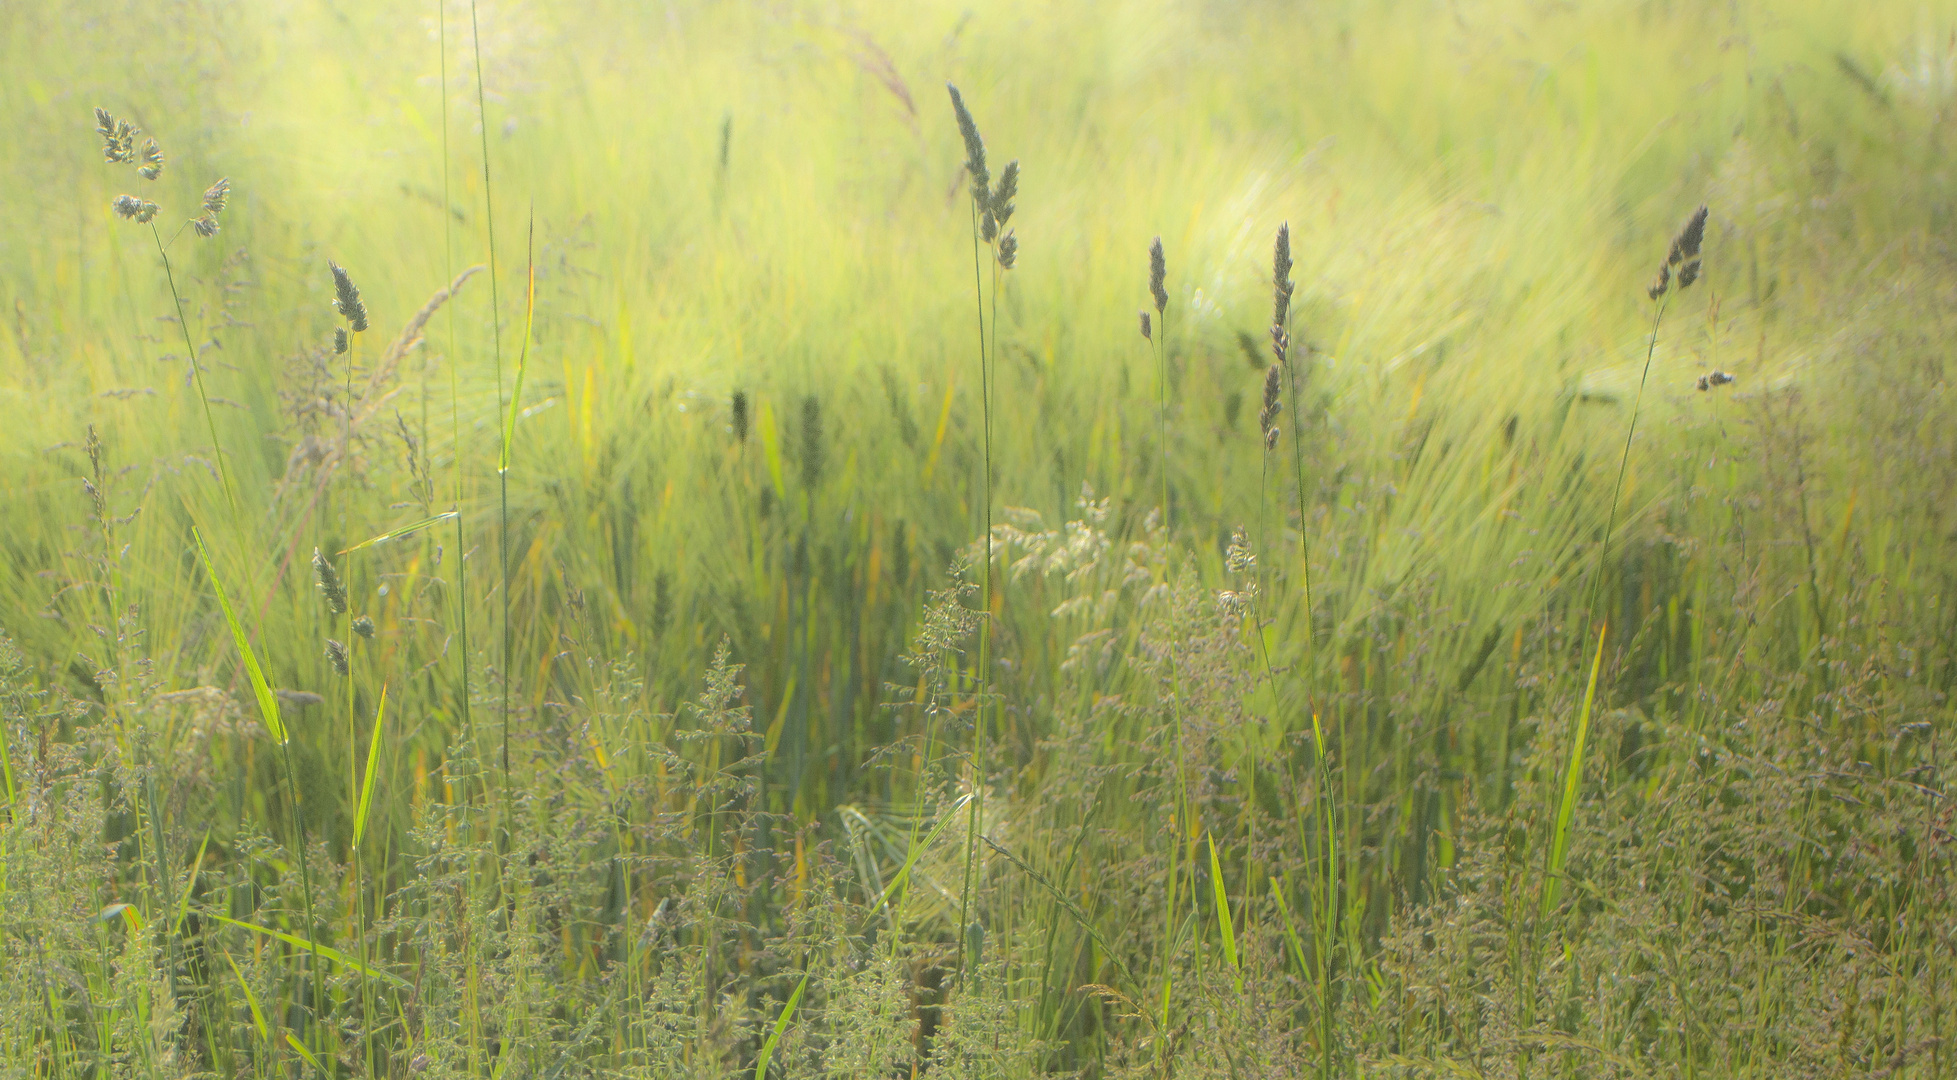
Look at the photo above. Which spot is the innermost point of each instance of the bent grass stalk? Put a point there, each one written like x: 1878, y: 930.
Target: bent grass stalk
x: 496, y: 335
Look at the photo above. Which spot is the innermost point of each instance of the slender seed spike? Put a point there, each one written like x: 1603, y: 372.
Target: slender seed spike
x: 330, y: 585
x: 346, y: 299
x: 1158, y: 273
x: 1146, y: 331
x: 1281, y: 277
x: 1001, y: 207
x: 974, y: 147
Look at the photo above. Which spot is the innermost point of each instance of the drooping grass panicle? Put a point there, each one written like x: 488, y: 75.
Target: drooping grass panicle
x: 329, y: 583
x: 974, y: 148
x: 346, y: 299
x: 1158, y: 275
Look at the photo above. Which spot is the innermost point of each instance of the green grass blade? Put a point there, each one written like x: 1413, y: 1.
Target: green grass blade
x: 1559, y: 844
x: 268, y: 702
x: 303, y: 1052
x: 324, y: 952
x: 251, y: 999
x: 183, y: 902
x: 523, y: 357
x: 781, y: 1025
x: 1290, y: 927
x: 910, y: 860
x: 1223, y: 915
x: 367, y: 781
x: 404, y: 531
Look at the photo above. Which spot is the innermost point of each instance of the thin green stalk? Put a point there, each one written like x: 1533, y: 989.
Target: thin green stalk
x: 196, y: 370
x: 496, y: 334
x: 460, y: 593
x: 985, y: 619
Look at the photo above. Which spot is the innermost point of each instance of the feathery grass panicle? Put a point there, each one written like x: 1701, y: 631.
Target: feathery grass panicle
x: 974, y: 147
x: 1158, y: 275
x: 329, y: 583
x: 336, y: 655
x: 346, y: 299
x: 740, y: 417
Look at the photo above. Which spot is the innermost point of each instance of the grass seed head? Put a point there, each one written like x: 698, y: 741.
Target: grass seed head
x: 811, y: 441
x: 1661, y: 283
x: 330, y: 585
x: 140, y: 211
x: 152, y: 166
x: 118, y: 138
x: 1688, y: 273
x: 1158, y: 275
x: 346, y: 299
x: 364, y: 626
x: 1281, y: 278
x: 1008, y: 250
x: 205, y: 225
x: 974, y: 147
x: 216, y: 194
x: 740, y: 416
x: 339, y: 340
x: 1001, y: 205
x: 1148, y: 332
x: 336, y: 654
x: 1717, y: 378
x: 1267, y: 419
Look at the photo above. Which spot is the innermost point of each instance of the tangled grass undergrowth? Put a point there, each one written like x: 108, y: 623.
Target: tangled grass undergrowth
x: 1550, y: 682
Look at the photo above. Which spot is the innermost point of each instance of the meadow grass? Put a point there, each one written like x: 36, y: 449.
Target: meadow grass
x: 865, y: 711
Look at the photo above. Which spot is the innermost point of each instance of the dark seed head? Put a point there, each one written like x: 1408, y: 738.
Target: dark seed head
x: 1660, y: 283
x: 740, y: 416
x: 330, y: 585
x: 364, y: 626
x: 1688, y: 273
x: 339, y: 340
x: 1008, y: 250
x: 1158, y: 275
x: 346, y: 299
x: 1001, y: 206
x: 974, y: 147
x: 336, y: 655
x: 1147, y: 331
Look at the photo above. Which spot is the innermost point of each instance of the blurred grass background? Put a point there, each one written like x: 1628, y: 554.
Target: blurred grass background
x: 768, y: 200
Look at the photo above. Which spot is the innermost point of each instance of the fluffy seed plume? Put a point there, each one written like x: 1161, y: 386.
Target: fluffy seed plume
x: 364, y: 626
x: 1267, y: 419
x: 740, y: 416
x: 141, y: 211
x: 152, y: 161
x: 346, y: 299
x: 336, y: 654
x: 1147, y: 332
x: 974, y: 148
x: 1158, y: 275
x: 330, y: 585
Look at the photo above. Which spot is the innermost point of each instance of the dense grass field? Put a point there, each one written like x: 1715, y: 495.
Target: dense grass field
x: 596, y: 552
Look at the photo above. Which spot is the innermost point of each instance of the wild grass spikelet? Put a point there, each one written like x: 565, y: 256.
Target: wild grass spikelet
x: 118, y: 138
x: 1158, y: 274
x: 329, y: 583
x: 974, y: 148
x: 336, y: 655
x: 140, y: 211
x: 346, y: 299
x: 1148, y: 332
x: 1267, y: 419
x: 152, y: 166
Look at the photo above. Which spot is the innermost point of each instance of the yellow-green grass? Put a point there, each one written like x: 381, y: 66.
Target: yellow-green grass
x: 1477, y: 195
